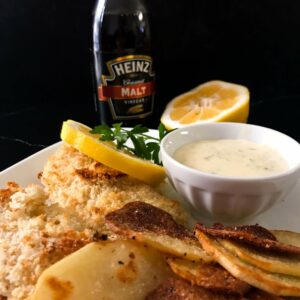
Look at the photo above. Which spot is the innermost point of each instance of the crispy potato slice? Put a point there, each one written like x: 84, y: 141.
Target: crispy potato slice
x: 287, y: 237
x: 274, y: 283
x: 104, y: 270
x: 289, y: 265
x: 253, y: 235
x: 153, y: 226
x: 208, y: 275
x: 179, y: 289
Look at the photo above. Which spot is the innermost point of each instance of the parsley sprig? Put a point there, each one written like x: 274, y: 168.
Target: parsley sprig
x: 143, y: 145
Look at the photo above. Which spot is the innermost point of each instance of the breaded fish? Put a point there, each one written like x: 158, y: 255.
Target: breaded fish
x: 91, y: 190
x: 33, y: 236
x: 154, y: 226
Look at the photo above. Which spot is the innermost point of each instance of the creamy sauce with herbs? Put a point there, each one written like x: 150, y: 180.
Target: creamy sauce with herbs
x: 227, y: 157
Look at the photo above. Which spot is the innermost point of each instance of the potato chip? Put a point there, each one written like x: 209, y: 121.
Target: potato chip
x: 208, y: 275
x: 275, y: 283
x: 157, y: 228
x: 284, y: 264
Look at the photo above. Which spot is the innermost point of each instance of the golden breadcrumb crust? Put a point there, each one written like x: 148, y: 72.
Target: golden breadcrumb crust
x: 91, y: 190
x: 34, y: 234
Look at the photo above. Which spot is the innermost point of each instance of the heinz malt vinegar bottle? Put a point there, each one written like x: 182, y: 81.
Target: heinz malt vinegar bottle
x: 123, y: 62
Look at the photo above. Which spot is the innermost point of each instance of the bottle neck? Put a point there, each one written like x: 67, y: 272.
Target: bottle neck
x: 119, y: 7
x: 121, y: 29
x: 124, y: 6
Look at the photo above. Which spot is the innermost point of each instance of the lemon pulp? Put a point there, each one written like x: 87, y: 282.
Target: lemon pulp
x: 213, y: 101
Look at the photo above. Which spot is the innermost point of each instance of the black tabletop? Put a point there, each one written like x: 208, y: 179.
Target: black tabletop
x: 46, y: 61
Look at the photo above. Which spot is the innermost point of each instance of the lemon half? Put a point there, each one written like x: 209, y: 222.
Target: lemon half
x: 213, y: 101
x: 78, y: 135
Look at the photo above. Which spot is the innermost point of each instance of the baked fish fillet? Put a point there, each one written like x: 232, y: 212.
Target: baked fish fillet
x: 33, y: 235
x: 91, y: 190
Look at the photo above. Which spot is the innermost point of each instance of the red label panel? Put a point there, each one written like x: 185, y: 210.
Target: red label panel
x: 123, y: 92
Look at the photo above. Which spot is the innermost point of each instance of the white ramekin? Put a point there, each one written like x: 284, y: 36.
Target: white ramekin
x: 223, y: 198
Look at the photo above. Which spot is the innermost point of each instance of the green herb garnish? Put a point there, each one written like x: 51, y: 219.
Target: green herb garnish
x: 144, y: 145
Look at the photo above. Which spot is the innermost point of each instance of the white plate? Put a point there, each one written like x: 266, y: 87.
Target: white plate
x: 284, y: 215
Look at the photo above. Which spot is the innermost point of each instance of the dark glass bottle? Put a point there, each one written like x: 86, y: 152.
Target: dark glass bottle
x: 123, y: 61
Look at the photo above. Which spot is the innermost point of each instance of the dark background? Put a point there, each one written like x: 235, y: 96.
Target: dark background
x: 46, y: 51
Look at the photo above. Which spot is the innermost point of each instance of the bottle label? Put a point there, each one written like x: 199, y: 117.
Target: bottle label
x: 129, y: 87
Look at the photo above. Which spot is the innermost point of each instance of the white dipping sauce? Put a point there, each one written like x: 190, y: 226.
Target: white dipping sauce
x: 227, y: 157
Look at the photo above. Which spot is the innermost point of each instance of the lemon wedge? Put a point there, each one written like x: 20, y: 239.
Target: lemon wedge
x: 78, y: 135
x: 213, y: 101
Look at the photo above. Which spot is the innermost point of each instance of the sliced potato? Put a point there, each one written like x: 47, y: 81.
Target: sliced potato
x: 289, y: 265
x: 104, y: 270
x: 287, y: 237
x: 253, y: 235
x: 208, y: 275
x: 274, y: 283
x: 181, y: 248
x: 179, y: 289
x: 151, y: 225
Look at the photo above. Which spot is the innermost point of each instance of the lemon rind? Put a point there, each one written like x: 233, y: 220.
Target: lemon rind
x: 107, y: 154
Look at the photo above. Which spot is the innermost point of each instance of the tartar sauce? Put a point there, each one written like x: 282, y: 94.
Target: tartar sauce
x: 228, y: 157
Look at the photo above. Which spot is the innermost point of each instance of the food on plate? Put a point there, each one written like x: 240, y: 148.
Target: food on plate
x: 39, y: 225
x: 213, y: 101
x: 41, y: 233
x: 33, y: 236
x: 94, y: 232
x: 208, y: 275
x: 179, y: 289
x: 104, y: 270
x: 287, y: 237
x: 275, y: 283
x: 256, y: 294
x: 231, y: 157
x: 134, y: 221
x: 157, y: 228
x: 143, y: 144
x: 273, y: 262
x: 253, y: 235
x: 90, y: 190
x: 105, y: 151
